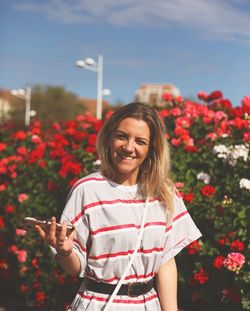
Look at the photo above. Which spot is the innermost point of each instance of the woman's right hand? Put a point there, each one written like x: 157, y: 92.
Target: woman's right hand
x: 58, y: 239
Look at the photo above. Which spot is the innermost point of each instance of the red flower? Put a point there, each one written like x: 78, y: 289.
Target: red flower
x: 222, y: 241
x: 194, y: 248
x: 201, y: 276
x: 20, y: 135
x: 42, y: 163
x: 191, y: 148
x: 40, y: 296
x: 9, y: 208
x: 97, y: 125
x: 218, y: 262
x: 22, y: 151
x: 35, y: 263
x: 245, y: 102
x: 37, y: 153
x: 187, y: 197
x: 2, y: 223
x: 175, y: 111
x: 214, y: 95
x: 237, y: 245
x: 2, y: 146
x: 208, y: 190
x: 167, y: 97
x: 91, y: 140
x: 225, y: 103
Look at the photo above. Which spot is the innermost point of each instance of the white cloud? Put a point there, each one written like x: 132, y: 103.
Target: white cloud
x: 220, y: 19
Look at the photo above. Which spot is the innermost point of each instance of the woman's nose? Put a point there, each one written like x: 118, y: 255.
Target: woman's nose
x: 129, y: 146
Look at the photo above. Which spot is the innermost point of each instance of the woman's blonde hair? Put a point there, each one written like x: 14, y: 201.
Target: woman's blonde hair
x: 154, y: 174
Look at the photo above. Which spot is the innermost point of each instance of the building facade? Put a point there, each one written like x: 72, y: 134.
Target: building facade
x: 151, y: 93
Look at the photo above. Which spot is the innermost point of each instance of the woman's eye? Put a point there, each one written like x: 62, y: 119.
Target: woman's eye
x: 141, y: 142
x: 120, y: 136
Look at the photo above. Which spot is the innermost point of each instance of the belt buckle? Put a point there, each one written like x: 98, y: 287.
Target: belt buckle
x: 133, y: 291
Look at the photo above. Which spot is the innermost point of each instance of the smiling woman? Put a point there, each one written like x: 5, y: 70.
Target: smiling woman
x: 129, y: 148
x: 129, y: 222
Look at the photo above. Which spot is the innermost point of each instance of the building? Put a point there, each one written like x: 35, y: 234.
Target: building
x: 5, y: 106
x: 151, y: 93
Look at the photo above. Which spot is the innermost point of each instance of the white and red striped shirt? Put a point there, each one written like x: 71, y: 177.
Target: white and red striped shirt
x: 107, y: 218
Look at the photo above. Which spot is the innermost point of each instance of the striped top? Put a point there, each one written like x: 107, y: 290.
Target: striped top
x: 107, y: 218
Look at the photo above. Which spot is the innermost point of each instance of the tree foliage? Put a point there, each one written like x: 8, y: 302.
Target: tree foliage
x: 51, y: 103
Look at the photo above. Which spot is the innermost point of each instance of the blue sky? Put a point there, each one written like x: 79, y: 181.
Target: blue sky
x: 194, y: 44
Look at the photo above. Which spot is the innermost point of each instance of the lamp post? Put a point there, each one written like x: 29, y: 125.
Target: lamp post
x: 26, y: 95
x: 90, y: 64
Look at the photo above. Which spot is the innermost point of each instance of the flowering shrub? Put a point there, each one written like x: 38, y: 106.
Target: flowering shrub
x: 210, y: 151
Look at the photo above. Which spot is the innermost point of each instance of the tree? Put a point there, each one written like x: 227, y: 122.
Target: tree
x: 51, y: 103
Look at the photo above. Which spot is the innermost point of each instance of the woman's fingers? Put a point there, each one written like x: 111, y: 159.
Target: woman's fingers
x: 56, y: 236
x: 61, y: 236
x: 40, y: 231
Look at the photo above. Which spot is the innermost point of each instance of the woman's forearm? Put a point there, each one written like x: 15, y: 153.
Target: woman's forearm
x: 166, y: 282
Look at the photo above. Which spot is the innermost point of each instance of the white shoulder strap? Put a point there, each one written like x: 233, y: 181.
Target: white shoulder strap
x: 140, y: 235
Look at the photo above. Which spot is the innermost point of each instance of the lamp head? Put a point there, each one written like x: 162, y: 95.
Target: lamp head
x: 80, y: 63
x: 90, y: 61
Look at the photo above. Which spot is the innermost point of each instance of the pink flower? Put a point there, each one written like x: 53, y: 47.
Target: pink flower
x: 179, y: 184
x: 234, y: 261
x: 36, y: 139
x: 175, y: 142
x: 21, y: 255
x: 211, y: 136
x: 20, y: 232
x: 2, y: 187
x: 245, y: 101
x: 246, y: 137
x: 202, y: 95
x: 22, y: 197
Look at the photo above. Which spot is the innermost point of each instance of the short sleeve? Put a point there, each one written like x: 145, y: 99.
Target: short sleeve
x: 73, y: 214
x: 181, y: 232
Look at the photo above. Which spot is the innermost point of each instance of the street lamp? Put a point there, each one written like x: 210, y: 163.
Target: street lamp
x: 90, y: 64
x: 26, y: 95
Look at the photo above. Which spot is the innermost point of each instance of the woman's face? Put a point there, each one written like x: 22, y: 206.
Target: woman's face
x: 129, y: 148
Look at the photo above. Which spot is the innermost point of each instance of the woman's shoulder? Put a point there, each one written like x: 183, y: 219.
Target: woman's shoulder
x: 91, y: 179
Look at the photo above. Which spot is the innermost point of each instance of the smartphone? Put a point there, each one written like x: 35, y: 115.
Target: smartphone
x: 30, y: 223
